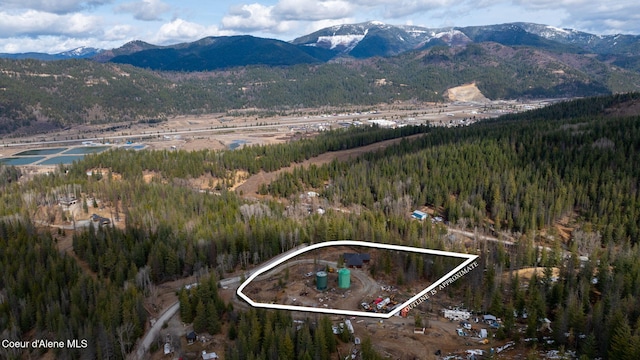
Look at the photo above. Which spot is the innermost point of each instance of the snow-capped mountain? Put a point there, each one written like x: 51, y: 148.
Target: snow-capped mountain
x: 374, y: 38
x: 82, y: 52
x: 600, y: 44
x: 368, y: 39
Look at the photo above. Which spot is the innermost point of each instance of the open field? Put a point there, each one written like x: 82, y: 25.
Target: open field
x: 220, y: 130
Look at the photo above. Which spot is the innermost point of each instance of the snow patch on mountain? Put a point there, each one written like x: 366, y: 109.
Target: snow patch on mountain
x: 550, y: 32
x: 347, y: 41
x: 558, y: 30
x: 449, y: 34
x: 419, y: 33
x: 79, y: 52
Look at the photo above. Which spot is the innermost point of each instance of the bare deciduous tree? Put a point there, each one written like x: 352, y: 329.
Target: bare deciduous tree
x: 124, y: 333
x: 586, y: 242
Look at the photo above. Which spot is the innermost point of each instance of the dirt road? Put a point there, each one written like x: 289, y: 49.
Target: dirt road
x: 250, y: 186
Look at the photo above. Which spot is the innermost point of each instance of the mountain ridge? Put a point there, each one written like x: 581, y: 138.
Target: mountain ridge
x: 374, y: 38
x: 367, y: 40
x: 81, y: 52
x: 373, y: 64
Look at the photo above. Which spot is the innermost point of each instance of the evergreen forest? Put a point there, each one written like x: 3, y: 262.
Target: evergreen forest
x: 516, y: 178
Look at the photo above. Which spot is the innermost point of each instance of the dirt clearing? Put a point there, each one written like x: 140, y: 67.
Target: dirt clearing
x: 250, y: 186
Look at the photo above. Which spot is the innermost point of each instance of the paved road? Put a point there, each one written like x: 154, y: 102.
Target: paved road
x: 147, y: 133
x: 150, y: 336
x: 369, y: 286
x: 236, y: 279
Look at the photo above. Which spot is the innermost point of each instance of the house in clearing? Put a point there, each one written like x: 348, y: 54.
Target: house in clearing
x: 355, y: 259
x: 67, y: 201
x: 191, y: 337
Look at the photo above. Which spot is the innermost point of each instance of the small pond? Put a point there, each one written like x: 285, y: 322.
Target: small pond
x: 50, y: 151
x: 16, y: 161
x: 86, y: 150
x: 236, y: 144
x: 62, y: 159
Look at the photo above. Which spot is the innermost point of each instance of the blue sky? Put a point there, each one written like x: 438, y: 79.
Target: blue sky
x: 58, y: 25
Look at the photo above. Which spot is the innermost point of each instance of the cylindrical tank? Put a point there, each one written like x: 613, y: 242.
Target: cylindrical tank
x: 321, y: 280
x: 344, y: 278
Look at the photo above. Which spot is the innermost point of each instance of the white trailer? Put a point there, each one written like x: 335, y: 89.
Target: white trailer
x: 349, y: 326
x: 456, y: 314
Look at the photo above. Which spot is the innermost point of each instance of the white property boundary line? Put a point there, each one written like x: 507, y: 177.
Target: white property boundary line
x: 421, y: 296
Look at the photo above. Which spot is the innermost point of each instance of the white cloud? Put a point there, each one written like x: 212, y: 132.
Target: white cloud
x: 53, y: 44
x: 250, y: 17
x: 180, y: 30
x: 312, y: 10
x: 545, y: 4
x: 402, y: 8
x: 34, y: 23
x: 119, y: 33
x: 68, y: 22
x: 287, y: 16
x: 52, y: 6
x: 146, y: 10
x: 602, y: 17
x: 321, y: 24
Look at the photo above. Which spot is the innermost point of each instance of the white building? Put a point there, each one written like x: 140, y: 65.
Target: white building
x: 456, y: 314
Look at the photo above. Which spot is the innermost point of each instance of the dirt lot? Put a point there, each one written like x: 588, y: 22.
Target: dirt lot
x: 294, y: 282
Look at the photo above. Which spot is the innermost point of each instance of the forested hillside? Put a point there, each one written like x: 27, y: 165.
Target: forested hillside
x: 517, y: 177
x: 41, y: 96
x: 44, y: 295
x: 521, y: 173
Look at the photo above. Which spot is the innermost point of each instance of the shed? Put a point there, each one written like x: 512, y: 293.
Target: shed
x: 349, y: 326
x: 207, y: 356
x: 419, y: 215
x: 191, y: 337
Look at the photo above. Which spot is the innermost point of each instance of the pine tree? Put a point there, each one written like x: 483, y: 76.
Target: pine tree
x: 200, y: 319
x: 186, y: 312
x: 286, y: 350
x: 621, y: 348
x: 213, y: 321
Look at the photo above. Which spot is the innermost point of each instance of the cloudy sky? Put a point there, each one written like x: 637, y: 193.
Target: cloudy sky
x: 58, y: 25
